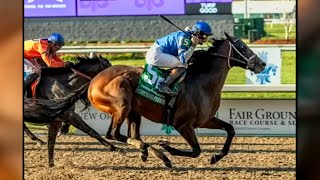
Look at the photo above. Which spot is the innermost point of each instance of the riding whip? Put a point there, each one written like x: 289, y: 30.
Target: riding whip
x: 174, y: 24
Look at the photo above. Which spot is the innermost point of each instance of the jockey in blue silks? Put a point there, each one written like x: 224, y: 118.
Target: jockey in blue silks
x: 175, y: 50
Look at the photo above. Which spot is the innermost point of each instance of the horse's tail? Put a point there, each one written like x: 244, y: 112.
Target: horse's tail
x: 43, y: 111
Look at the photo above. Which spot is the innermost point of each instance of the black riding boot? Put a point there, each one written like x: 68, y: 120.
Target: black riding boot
x: 29, y: 79
x: 164, y: 86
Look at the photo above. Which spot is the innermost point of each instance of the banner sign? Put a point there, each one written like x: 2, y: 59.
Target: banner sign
x: 208, y: 8
x: 208, y: 1
x: 129, y: 7
x: 49, y: 8
x: 249, y: 117
x: 257, y: 117
x: 100, y: 122
x: 272, y: 73
x: 60, y: 8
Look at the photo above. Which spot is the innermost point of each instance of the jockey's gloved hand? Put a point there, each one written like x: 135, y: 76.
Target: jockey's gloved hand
x: 68, y: 64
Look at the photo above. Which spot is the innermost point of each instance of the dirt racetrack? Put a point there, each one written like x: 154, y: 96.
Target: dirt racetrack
x: 82, y: 157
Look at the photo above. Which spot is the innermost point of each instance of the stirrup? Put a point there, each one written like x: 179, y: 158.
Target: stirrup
x: 164, y: 88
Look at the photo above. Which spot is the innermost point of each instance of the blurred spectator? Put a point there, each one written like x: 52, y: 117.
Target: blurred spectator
x: 11, y: 136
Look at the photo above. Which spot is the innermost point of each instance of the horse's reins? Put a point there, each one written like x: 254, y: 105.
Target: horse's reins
x: 81, y: 74
x: 248, y: 62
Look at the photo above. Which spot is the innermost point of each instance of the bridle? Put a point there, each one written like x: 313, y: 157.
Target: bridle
x: 84, y: 75
x: 249, y: 62
x: 81, y: 74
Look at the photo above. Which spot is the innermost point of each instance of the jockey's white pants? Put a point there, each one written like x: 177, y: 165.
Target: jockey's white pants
x: 156, y: 57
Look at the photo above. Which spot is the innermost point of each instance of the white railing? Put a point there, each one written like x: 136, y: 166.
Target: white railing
x: 144, y: 49
x: 259, y: 88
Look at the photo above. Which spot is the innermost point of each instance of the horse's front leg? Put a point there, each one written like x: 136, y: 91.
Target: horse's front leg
x: 32, y: 136
x: 188, y: 133
x: 53, y: 129
x: 216, y: 123
x: 75, y: 120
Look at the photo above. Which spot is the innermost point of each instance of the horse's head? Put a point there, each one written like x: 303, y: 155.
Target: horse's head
x: 91, y: 66
x: 245, y: 57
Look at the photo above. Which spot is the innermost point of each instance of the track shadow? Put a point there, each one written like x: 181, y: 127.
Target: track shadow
x: 174, y: 144
x: 162, y: 150
x: 82, y: 149
x: 180, y: 169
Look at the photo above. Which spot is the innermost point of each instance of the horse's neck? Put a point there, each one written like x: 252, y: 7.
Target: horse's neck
x: 212, y: 81
x: 55, y: 87
x: 218, y: 74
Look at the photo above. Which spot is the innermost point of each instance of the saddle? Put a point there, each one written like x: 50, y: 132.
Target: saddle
x: 148, y: 88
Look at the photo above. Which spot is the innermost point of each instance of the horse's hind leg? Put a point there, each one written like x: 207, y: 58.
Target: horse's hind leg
x: 141, y: 145
x: 64, y: 129
x: 115, y: 99
x: 216, y: 123
x: 53, y: 129
x: 74, y: 119
x: 32, y: 136
x: 108, y: 134
x: 134, y: 122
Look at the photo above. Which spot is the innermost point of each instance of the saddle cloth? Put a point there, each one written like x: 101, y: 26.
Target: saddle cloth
x: 149, y: 82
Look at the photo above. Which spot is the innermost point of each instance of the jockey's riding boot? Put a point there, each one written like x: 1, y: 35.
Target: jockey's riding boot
x: 164, y: 86
x: 30, y: 78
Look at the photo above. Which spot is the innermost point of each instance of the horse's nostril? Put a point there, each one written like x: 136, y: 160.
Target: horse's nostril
x: 264, y: 64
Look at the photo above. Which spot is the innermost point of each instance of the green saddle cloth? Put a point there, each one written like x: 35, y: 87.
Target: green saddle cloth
x: 149, y: 82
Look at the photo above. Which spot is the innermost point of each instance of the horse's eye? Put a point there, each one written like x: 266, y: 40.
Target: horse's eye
x: 244, y: 48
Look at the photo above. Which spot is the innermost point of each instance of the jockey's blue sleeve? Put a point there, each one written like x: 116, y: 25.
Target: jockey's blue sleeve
x: 185, y: 50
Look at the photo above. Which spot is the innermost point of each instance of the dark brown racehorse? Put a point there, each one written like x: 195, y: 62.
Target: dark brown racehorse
x: 112, y: 91
x: 57, y: 84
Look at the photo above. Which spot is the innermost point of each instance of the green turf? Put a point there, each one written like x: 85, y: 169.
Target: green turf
x: 277, y: 31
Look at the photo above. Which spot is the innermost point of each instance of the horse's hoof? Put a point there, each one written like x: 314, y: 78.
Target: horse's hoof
x: 108, y: 137
x: 163, y: 143
x: 168, y: 164
x: 40, y: 143
x: 64, y: 131
x: 121, y: 151
x: 143, y: 157
x: 51, y: 165
x: 213, y: 159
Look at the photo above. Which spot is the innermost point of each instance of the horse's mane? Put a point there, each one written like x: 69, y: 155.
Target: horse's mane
x: 84, y: 100
x: 63, y: 70
x: 54, y: 71
x: 201, y: 59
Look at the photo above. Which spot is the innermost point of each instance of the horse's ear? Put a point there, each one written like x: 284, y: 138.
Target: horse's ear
x: 229, y: 37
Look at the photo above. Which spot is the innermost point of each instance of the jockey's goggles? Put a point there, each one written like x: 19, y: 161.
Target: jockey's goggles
x: 202, y: 36
x: 58, y: 45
